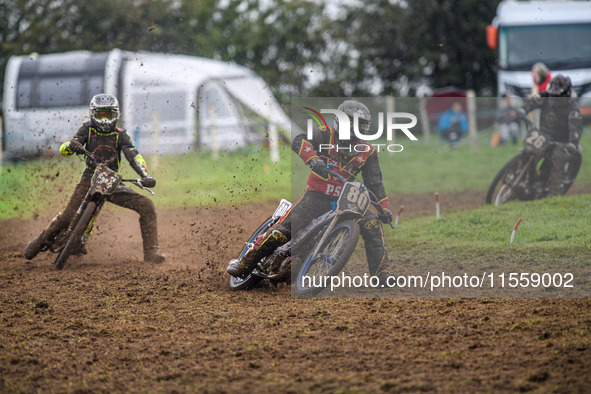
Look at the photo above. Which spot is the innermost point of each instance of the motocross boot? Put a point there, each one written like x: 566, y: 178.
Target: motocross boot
x: 154, y: 255
x: 263, y: 247
x: 34, y: 247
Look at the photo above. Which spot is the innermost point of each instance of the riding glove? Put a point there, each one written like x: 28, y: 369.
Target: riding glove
x: 148, y: 181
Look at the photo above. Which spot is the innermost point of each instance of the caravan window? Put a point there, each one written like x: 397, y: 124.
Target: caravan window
x: 170, y: 106
x: 60, y: 92
x: 69, y: 81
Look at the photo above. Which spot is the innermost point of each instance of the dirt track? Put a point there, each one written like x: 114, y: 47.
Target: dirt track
x: 110, y: 322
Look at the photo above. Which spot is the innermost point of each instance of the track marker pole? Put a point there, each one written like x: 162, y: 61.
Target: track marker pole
x: 398, y: 215
x: 514, y: 230
x: 437, y: 212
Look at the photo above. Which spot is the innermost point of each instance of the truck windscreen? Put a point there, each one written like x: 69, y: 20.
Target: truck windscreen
x: 560, y: 47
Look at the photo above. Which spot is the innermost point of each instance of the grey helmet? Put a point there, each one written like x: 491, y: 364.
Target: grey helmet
x: 104, y: 111
x: 353, y: 109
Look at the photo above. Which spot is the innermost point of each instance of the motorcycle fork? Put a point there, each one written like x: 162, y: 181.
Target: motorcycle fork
x: 333, y: 222
x: 526, y: 168
x: 80, y: 210
x: 90, y: 227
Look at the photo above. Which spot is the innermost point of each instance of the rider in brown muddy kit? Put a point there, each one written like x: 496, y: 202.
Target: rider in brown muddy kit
x: 105, y: 140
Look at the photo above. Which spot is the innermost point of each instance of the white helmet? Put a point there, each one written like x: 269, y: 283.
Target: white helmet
x: 104, y: 111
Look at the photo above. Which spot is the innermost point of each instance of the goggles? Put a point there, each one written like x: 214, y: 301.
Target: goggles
x: 109, y: 114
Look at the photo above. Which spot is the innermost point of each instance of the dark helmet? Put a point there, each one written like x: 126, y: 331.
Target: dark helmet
x: 560, y: 86
x: 104, y: 111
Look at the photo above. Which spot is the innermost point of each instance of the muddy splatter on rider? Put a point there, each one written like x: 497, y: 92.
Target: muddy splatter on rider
x: 104, y: 139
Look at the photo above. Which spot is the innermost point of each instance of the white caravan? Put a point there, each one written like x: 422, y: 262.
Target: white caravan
x: 169, y: 103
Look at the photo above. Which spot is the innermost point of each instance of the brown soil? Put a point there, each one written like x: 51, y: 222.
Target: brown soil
x: 109, y: 322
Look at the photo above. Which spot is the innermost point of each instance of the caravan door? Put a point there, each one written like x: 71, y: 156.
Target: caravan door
x: 220, y: 119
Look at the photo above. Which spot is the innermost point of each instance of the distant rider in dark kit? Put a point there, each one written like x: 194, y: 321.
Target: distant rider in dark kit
x: 561, y: 119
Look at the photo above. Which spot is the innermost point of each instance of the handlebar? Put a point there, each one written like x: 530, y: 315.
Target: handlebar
x: 137, y: 182
x: 95, y: 161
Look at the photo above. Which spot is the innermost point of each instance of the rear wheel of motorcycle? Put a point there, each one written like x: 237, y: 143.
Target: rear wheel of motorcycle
x: 499, y: 191
x: 571, y: 172
x: 251, y: 280
x: 329, y: 260
x: 76, y: 237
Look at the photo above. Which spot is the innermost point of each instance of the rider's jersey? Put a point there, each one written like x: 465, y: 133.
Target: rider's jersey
x: 108, y: 147
x: 560, y: 116
x: 365, y: 160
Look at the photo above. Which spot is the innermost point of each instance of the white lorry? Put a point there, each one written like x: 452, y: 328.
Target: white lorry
x: 557, y: 33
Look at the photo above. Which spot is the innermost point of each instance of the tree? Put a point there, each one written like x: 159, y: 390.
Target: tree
x: 401, y: 47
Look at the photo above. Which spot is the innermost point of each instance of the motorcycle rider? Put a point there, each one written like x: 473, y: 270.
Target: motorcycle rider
x: 106, y: 141
x: 561, y: 119
x: 351, y: 157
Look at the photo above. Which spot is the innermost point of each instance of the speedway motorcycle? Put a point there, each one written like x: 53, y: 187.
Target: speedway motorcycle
x: 72, y: 239
x: 526, y: 176
x: 321, y: 249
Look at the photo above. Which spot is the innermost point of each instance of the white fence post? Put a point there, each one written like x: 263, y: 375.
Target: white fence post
x: 213, y: 131
x: 155, y: 137
x: 390, y: 108
x: 424, y: 119
x: 273, y: 138
x: 472, y: 127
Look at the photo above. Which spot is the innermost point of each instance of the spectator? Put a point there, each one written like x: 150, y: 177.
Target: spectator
x: 507, y: 121
x: 541, y: 76
x: 453, y: 124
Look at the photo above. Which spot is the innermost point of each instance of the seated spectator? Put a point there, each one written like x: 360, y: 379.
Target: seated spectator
x: 453, y: 124
x: 507, y: 121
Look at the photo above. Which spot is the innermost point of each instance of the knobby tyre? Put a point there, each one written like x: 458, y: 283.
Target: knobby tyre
x: 76, y: 237
x: 499, y: 192
x: 251, y: 280
x: 329, y: 260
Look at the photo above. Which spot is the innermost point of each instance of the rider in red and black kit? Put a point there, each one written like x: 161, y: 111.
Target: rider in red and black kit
x: 105, y: 140
x: 350, y: 157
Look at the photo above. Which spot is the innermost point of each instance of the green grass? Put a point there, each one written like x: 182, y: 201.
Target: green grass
x: 553, y: 222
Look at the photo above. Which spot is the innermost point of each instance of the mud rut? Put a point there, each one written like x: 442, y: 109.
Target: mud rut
x: 110, y: 322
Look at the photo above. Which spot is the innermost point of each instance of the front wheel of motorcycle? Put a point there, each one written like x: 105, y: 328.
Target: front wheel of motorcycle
x: 500, y: 190
x: 75, y: 240
x: 329, y: 259
x: 572, y: 170
x: 251, y: 280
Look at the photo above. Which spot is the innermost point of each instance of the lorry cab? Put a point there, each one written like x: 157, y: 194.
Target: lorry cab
x: 553, y: 32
